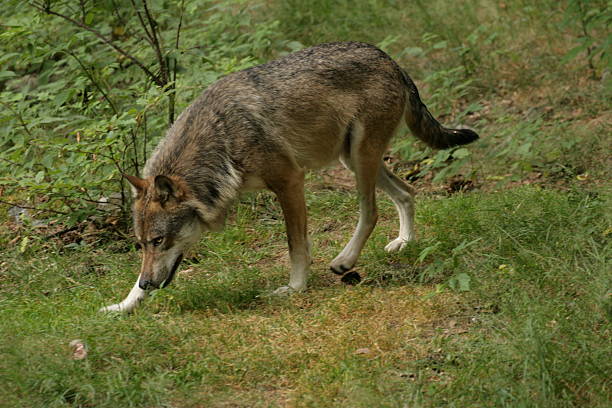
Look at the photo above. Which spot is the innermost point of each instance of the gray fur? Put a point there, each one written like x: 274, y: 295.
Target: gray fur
x: 263, y: 127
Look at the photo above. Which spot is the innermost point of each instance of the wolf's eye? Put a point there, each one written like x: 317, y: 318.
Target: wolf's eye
x: 157, y: 241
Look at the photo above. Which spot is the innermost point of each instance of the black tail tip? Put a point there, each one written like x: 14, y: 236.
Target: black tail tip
x: 464, y: 136
x: 467, y: 135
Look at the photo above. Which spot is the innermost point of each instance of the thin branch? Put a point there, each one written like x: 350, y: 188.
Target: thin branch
x: 93, y: 81
x: 83, y: 11
x: 115, y: 162
x: 155, y: 78
x: 89, y: 200
x: 172, y: 96
x: 157, y: 43
x: 145, y: 138
x: 18, y: 115
x: 148, y: 37
x: 180, y: 24
x: 32, y: 208
x: 12, y: 162
x: 62, y: 232
x: 77, y: 150
x: 117, y: 13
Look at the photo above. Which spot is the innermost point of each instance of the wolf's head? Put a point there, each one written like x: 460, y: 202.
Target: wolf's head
x: 166, y: 223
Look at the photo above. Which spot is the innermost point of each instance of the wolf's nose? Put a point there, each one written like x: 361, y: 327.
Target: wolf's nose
x: 145, y: 284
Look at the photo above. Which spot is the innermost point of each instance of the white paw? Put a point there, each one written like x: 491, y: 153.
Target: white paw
x: 112, y: 308
x: 122, y: 307
x: 283, y: 291
x: 342, y: 264
x: 286, y: 291
x: 397, y: 245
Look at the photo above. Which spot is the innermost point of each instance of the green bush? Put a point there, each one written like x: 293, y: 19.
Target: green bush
x: 81, y: 110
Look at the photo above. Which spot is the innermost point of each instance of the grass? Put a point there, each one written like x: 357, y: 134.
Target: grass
x: 532, y: 333
x: 504, y: 300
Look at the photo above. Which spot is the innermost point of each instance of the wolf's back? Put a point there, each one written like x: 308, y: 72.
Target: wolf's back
x: 426, y: 128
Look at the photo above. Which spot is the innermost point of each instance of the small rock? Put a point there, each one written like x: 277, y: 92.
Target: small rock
x: 79, y: 349
x: 19, y: 214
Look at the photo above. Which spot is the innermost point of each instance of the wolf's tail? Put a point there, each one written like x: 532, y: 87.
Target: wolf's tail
x: 426, y: 128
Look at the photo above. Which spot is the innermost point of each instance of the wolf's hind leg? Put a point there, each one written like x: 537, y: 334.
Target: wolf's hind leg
x: 131, y: 301
x: 402, y: 196
x: 289, y: 188
x: 363, y: 159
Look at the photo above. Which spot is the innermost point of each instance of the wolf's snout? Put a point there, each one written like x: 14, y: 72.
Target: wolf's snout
x: 146, y: 284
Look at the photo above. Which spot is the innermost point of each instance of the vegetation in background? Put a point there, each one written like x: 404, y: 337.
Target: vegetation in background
x: 504, y: 300
x: 80, y: 111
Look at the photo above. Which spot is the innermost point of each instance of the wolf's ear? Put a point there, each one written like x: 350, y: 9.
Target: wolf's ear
x: 138, y: 184
x: 166, y: 188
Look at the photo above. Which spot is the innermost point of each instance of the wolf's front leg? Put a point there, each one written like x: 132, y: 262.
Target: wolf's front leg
x: 128, y: 304
x: 289, y: 189
x: 300, y: 269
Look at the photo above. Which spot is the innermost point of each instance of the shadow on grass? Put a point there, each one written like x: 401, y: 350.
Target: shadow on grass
x: 226, y: 291
x: 405, y: 268
x: 218, y: 296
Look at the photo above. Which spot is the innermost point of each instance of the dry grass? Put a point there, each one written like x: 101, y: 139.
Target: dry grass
x: 380, y: 329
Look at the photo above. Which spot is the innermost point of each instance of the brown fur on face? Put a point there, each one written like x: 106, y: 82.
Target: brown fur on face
x: 165, y: 224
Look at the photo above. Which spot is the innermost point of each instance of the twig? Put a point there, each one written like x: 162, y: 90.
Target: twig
x: 32, y: 208
x: 62, y: 232
x: 83, y: 11
x: 120, y: 19
x: 112, y: 158
x: 93, y: 81
x: 157, y: 43
x: 180, y: 24
x: 21, y: 121
x: 155, y: 78
x: 145, y: 139
x: 172, y: 96
x: 148, y: 36
x: 12, y: 162
x: 164, y: 66
x: 89, y: 200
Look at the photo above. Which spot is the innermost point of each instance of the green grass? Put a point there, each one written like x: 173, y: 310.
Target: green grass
x: 533, y: 333
x: 504, y: 299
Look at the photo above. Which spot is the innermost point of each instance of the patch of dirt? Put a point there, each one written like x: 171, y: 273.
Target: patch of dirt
x: 335, y: 178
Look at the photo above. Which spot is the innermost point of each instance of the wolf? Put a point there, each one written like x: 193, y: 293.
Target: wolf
x: 263, y: 127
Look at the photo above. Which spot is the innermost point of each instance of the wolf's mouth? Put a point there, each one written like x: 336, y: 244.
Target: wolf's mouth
x: 172, y: 272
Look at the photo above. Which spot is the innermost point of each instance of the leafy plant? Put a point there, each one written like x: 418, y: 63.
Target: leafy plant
x: 589, y: 17
x: 442, y: 265
x: 81, y: 111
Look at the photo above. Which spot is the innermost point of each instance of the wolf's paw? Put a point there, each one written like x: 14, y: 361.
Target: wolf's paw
x: 117, y: 308
x: 296, y: 287
x: 112, y: 308
x: 341, y: 265
x: 286, y: 291
x: 283, y: 291
x: 397, y: 245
